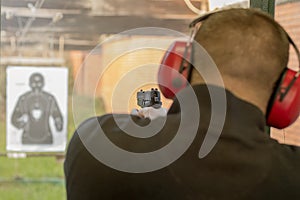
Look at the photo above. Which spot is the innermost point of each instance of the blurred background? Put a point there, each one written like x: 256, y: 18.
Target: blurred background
x: 91, y: 39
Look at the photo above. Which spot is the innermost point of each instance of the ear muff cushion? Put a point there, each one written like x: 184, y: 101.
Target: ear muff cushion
x: 284, y: 110
x: 170, y: 80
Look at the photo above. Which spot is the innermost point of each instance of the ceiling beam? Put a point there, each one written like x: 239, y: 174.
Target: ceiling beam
x: 38, y: 13
x: 10, y: 12
x: 31, y: 61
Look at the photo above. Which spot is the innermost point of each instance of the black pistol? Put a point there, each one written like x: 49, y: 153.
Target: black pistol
x: 149, y: 98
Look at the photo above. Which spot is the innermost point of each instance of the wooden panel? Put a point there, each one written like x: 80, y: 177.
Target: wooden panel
x: 288, y: 15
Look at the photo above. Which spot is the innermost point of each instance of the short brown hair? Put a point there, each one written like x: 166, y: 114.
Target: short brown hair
x: 245, y: 43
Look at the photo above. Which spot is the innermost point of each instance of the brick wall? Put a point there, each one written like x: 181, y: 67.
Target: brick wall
x: 288, y: 15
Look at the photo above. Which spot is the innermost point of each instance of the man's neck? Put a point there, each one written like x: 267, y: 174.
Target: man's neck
x: 257, y: 96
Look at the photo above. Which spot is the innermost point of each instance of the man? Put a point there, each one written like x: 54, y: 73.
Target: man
x: 251, y: 52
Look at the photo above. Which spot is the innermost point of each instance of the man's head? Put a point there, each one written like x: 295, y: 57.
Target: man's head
x: 250, y: 50
x: 36, y: 82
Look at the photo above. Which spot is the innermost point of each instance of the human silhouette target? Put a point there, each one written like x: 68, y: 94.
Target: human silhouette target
x: 37, y: 108
x: 33, y: 111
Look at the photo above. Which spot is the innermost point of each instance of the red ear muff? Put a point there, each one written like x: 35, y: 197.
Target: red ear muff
x: 285, y: 105
x: 175, y: 69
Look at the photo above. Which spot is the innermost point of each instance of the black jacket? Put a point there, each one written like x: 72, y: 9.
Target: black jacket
x: 245, y: 163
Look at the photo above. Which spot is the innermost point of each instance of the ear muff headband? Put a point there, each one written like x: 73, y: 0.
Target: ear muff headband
x: 202, y: 18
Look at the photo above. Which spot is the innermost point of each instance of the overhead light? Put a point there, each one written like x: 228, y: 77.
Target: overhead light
x: 3, y: 33
x: 58, y: 16
x: 31, y: 7
x: 9, y: 14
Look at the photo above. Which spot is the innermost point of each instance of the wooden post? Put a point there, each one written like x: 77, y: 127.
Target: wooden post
x: 267, y: 6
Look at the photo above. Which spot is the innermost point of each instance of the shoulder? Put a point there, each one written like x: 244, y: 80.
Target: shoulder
x: 25, y: 95
x: 109, y: 123
x: 285, y: 150
x: 86, y: 136
x: 93, y: 123
x: 101, y: 120
x: 92, y: 126
x: 48, y: 95
x: 286, y: 156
